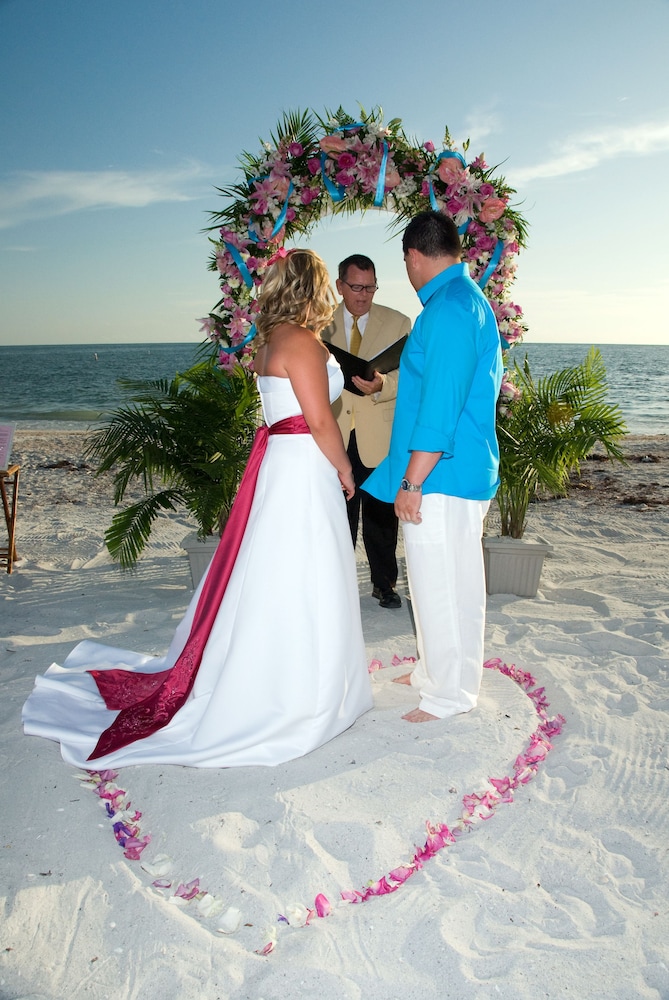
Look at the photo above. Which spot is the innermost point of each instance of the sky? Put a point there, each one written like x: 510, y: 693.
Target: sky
x: 119, y: 120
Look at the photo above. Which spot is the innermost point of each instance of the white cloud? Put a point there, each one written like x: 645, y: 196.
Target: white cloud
x: 586, y: 151
x: 478, y: 127
x: 41, y: 194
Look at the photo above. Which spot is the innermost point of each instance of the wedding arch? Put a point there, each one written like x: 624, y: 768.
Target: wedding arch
x: 317, y: 166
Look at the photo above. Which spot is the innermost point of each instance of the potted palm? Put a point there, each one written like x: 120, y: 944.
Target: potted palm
x: 186, y: 442
x: 545, y: 428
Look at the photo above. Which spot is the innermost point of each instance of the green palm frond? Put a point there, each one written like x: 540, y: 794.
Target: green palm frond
x: 549, y: 431
x: 185, y: 442
x: 130, y: 529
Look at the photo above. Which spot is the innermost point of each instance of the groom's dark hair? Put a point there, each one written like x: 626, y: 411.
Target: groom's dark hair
x: 433, y: 234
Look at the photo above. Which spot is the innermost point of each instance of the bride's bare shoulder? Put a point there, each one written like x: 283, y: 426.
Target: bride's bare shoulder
x: 287, y: 342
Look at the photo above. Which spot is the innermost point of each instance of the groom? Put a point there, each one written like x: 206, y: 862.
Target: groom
x: 442, y: 469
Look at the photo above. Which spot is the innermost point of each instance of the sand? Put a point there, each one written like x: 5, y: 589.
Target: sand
x: 561, y: 892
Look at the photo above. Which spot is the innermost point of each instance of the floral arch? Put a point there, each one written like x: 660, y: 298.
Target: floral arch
x: 314, y: 167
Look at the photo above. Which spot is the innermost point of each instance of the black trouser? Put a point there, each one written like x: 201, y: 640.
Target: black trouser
x: 379, y: 525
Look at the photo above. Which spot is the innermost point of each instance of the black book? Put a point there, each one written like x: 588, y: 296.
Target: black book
x: 351, y: 364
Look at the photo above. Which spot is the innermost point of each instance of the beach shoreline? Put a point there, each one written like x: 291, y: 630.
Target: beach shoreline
x: 560, y: 893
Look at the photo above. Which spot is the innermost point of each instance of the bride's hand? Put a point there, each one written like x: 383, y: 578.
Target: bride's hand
x: 347, y: 484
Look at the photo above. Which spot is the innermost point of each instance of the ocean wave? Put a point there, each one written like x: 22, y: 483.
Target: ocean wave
x: 70, y: 416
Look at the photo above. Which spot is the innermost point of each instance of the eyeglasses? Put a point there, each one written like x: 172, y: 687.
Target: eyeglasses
x: 361, y: 288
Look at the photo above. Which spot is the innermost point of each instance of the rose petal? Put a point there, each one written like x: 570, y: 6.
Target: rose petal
x: 230, y: 921
x: 297, y: 916
x: 208, y: 906
x: 161, y: 865
x: 188, y: 890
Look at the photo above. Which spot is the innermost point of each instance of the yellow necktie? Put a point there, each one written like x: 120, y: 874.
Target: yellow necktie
x: 356, y: 337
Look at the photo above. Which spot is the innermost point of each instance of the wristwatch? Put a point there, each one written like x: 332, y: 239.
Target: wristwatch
x: 410, y: 487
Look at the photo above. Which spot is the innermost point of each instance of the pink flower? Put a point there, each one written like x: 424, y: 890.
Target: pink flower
x: 307, y: 195
x: 296, y: 149
x: 392, y: 179
x: 486, y: 190
x: 281, y: 185
x: 493, y: 208
x: 451, y: 171
x: 333, y: 144
x: 455, y: 205
x: 207, y: 325
x: 322, y: 905
x: 429, y: 146
x: 346, y: 161
x: 344, y: 178
x: 314, y: 166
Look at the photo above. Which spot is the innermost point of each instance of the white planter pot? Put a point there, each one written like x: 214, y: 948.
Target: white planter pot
x: 200, y: 552
x: 513, y: 565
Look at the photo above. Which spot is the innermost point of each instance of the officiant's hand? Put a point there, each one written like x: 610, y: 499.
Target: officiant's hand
x: 368, y: 388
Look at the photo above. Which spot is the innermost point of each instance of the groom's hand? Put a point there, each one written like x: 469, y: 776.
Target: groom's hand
x: 407, y: 506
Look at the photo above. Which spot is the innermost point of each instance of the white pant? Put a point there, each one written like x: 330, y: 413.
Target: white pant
x: 447, y: 584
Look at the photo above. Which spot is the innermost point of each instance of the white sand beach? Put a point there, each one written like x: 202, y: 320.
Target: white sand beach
x: 561, y: 892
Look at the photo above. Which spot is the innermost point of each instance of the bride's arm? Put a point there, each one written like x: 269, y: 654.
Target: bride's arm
x: 305, y: 361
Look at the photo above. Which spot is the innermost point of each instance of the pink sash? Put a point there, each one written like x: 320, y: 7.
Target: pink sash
x: 147, y: 702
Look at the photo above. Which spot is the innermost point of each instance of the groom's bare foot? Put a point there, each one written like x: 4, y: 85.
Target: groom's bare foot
x: 418, y: 715
x: 403, y: 679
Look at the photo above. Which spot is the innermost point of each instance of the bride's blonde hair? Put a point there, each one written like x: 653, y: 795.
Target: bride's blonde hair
x: 296, y: 289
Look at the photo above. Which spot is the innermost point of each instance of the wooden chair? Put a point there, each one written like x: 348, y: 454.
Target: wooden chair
x: 9, y: 490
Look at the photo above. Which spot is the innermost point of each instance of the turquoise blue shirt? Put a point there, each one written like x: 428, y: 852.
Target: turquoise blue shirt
x: 450, y: 374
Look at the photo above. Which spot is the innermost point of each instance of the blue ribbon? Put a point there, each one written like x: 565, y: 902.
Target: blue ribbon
x: 492, y: 264
x: 336, y: 191
x: 248, y: 281
x: 243, y: 269
x: 282, y: 215
x: 242, y: 343
x: 381, y: 183
x: 434, y: 205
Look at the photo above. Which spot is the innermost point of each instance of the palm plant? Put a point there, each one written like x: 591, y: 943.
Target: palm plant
x: 547, y: 431
x: 186, y: 440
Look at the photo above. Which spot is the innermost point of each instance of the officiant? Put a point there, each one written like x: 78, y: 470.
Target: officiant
x: 365, y: 329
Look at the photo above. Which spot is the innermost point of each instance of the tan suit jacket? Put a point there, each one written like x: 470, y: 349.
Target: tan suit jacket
x: 373, y: 415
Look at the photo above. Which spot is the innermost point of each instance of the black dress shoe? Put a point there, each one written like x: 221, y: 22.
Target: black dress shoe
x: 387, y: 598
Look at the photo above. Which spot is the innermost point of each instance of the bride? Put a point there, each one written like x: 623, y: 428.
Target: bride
x: 269, y: 661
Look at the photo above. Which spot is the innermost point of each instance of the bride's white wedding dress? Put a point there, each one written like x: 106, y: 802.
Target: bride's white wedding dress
x: 283, y: 669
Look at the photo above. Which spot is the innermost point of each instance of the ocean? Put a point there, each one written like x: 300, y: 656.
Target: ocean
x: 74, y: 386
